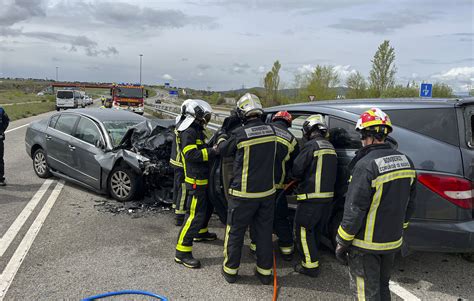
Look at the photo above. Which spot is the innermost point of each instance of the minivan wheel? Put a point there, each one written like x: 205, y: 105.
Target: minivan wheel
x: 40, y: 165
x: 122, y: 184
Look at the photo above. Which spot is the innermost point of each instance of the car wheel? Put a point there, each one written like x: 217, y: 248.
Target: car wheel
x: 123, y: 184
x: 40, y: 165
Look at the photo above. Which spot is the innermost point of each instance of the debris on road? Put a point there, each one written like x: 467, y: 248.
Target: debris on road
x: 136, y: 209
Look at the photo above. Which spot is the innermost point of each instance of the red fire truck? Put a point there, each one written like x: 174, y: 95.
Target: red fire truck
x: 128, y: 97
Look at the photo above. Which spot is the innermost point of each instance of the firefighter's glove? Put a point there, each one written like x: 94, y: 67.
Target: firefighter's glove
x: 341, y: 253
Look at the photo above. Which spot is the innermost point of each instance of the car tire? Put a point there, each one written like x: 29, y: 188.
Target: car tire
x: 40, y: 165
x: 123, y: 184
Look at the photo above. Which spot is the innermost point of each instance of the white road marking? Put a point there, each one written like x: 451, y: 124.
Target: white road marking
x: 14, y: 129
x: 11, y: 233
x: 16, y: 260
x: 402, y: 293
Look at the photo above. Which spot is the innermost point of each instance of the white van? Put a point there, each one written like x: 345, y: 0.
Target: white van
x: 67, y: 99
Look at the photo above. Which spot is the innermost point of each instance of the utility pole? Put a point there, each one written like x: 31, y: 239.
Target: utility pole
x: 57, y: 73
x: 141, y: 55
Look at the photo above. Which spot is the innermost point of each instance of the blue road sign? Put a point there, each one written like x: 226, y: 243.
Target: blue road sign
x: 426, y: 90
x: 173, y: 92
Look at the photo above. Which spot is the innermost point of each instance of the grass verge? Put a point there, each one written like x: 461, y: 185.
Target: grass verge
x: 18, y: 111
x: 16, y: 96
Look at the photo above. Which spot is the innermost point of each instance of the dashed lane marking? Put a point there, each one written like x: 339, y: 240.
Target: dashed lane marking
x: 11, y: 233
x: 16, y: 260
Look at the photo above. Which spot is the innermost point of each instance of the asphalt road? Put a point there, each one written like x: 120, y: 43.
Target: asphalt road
x: 76, y: 243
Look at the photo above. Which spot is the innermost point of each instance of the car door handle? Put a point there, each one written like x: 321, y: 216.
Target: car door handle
x: 71, y: 148
x: 48, y: 137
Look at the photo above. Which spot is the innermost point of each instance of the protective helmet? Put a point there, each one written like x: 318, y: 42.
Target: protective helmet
x: 195, y: 109
x: 249, y: 105
x: 182, y: 112
x: 283, y: 115
x: 374, y: 121
x: 315, y: 122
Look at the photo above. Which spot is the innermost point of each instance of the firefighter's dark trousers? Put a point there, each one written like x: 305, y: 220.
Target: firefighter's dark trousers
x: 179, y: 191
x: 198, y: 216
x: 281, y: 225
x: 2, y: 163
x: 242, y: 213
x: 370, y: 274
x: 308, y: 231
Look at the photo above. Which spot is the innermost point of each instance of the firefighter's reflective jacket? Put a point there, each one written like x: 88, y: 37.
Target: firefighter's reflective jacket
x: 195, y: 156
x: 175, y: 158
x: 379, y: 200
x: 315, y: 169
x: 287, y: 150
x: 254, y: 147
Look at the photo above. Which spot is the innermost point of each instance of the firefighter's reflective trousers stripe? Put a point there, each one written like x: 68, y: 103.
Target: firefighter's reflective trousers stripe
x: 308, y: 231
x: 179, y: 191
x: 197, y: 219
x: 281, y: 225
x: 241, y: 214
x: 370, y: 275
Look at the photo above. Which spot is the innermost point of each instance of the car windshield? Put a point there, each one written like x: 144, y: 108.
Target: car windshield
x: 117, y: 129
x: 65, y: 94
x: 129, y: 92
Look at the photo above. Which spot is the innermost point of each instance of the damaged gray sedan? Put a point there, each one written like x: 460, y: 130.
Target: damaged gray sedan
x: 108, y: 151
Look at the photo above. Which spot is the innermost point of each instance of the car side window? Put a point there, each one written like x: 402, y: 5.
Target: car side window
x: 53, y: 120
x: 343, y: 135
x: 66, y: 123
x: 297, y: 125
x: 87, y: 131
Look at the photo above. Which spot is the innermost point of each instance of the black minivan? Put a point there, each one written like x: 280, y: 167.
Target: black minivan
x: 437, y: 134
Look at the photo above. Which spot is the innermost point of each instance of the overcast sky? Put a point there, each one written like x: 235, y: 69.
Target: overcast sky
x: 224, y: 44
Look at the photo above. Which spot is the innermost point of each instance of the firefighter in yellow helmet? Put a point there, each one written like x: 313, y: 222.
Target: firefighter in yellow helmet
x: 252, y: 189
x: 378, y: 206
x: 315, y: 170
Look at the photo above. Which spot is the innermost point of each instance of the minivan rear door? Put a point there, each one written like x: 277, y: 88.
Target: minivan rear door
x: 466, y: 126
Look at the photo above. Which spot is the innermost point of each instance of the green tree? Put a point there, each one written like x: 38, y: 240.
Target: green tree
x: 471, y: 92
x: 382, y: 75
x: 441, y: 90
x: 271, y: 83
x: 268, y: 83
x: 321, y: 83
x: 357, y: 86
x: 276, y: 81
x: 400, y: 91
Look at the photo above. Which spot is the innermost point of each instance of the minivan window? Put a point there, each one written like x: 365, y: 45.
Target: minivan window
x: 342, y: 134
x: 297, y: 125
x: 440, y: 124
x: 471, y: 143
x: 66, y: 123
x: 87, y: 131
x: 65, y: 94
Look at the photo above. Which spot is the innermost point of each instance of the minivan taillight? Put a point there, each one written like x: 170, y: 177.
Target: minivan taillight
x: 458, y: 191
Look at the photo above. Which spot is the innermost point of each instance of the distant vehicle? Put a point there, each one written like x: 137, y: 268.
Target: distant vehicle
x: 436, y: 134
x: 40, y: 94
x: 158, y: 101
x: 68, y: 99
x: 107, y: 102
x: 128, y: 97
x: 87, y: 147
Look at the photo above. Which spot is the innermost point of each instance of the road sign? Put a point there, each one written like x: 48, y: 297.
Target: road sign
x: 311, y: 97
x: 173, y: 92
x: 167, y: 85
x: 426, y: 90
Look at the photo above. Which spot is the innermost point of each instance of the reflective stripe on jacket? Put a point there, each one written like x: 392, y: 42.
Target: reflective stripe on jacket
x: 315, y: 169
x: 175, y: 158
x: 287, y: 150
x: 195, y: 156
x: 254, y: 147
x: 379, y: 200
